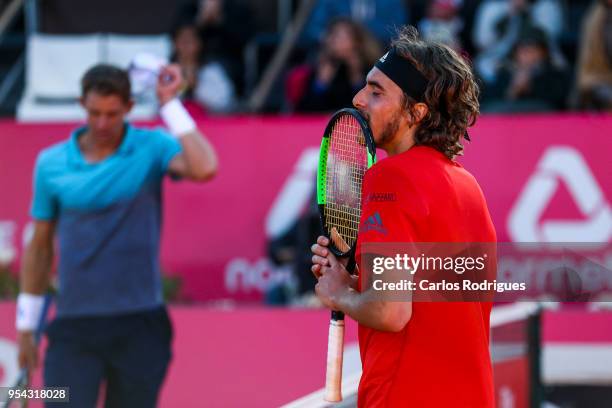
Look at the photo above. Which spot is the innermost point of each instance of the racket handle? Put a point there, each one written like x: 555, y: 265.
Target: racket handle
x: 335, y: 354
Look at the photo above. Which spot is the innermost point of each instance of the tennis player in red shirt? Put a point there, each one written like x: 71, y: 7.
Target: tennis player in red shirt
x: 419, y: 99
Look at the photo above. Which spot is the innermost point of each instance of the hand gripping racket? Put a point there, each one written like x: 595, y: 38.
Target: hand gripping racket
x: 347, y: 151
x: 22, y: 379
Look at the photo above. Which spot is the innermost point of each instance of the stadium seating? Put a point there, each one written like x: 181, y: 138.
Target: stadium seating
x: 55, y: 64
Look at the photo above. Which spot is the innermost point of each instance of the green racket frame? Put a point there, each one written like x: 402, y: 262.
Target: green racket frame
x: 322, y: 168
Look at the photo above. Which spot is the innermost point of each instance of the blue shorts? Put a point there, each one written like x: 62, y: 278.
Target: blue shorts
x: 129, y: 353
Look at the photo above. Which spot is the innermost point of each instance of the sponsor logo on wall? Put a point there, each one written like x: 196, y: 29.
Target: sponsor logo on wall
x: 561, y: 164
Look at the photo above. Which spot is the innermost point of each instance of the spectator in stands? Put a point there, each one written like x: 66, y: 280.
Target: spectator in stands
x: 345, y: 56
x: 530, y: 81
x: 443, y: 23
x: 574, y: 12
x: 467, y: 12
x: 419, y: 10
x: 225, y: 28
x: 379, y: 16
x: 499, y: 24
x: 594, y: 71
x: 206, y: 79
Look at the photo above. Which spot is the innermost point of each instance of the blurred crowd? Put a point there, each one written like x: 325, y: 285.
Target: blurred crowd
x: 529, y: 55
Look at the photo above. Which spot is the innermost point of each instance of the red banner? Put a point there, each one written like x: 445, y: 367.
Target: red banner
x: 546, y: 178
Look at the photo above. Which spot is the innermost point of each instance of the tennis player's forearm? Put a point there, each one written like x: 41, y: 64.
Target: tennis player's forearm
x: 200, y: 156
x: 36, y: 269
x: 198, y: 161
x: 371, y: 312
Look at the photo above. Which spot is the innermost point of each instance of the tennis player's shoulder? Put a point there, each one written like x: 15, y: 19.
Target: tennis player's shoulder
x: 406, y: 168
x: 56, y: 153
x: 388, y: 171
x: 399, y: 163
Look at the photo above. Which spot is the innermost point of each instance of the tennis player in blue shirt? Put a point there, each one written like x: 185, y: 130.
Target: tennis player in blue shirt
x: 99, y: 194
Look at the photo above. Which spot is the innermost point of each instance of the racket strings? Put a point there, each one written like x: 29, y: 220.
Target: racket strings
x: 346, y: 163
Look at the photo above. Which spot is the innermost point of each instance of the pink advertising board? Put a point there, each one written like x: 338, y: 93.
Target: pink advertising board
x: 546, y: 178
x: 252, y: 357
x: 266, y: 357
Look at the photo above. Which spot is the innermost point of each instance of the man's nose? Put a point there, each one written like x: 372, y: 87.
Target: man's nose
x: 102, y: 123
x: 358, y: 100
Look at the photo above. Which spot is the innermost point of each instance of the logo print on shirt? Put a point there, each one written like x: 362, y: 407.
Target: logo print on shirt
x: 383, y: 197
x: 373, y: 223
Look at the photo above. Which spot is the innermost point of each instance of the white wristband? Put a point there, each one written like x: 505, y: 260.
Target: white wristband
x: 29, y: 310
x: 176, y: 118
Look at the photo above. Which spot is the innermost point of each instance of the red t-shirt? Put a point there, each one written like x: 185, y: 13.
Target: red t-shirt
x: 441, y: 358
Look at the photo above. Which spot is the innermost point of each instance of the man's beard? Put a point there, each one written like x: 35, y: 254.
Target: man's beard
x: 390, y: 129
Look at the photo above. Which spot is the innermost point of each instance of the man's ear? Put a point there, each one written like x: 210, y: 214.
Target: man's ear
x: 129, y: 105
x: 420, y: 110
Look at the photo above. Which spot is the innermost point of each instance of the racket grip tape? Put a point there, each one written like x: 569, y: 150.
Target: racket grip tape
x: 335, y: 351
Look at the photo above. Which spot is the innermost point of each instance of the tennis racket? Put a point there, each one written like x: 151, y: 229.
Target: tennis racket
x: 22, y: 379
x: 347, y: 151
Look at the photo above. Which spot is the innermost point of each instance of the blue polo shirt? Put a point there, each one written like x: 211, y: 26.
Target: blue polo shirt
x: 108, y: 221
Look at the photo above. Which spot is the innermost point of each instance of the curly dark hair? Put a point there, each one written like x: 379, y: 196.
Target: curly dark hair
x: 451, y: 94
